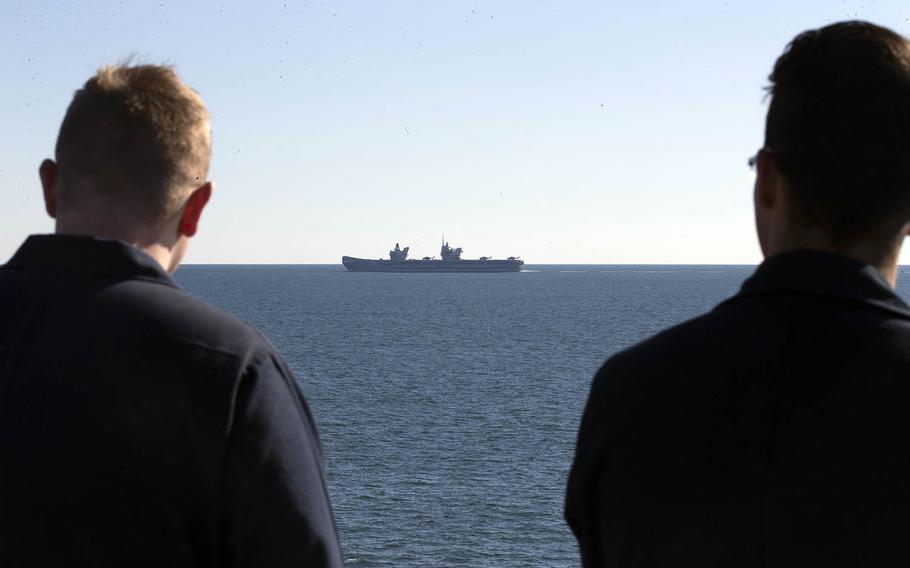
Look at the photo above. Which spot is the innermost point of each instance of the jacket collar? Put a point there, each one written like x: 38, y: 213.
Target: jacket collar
x: 107, y: 257
x: 822, y: 275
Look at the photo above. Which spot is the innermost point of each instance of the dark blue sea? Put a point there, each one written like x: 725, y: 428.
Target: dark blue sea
x: 448, y: 403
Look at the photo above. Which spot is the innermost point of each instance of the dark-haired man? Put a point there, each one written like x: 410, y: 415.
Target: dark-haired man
x: 775, y: 430
x: 138, y: 425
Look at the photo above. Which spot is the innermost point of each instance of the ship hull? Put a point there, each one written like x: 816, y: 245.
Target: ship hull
x: 367, y: 265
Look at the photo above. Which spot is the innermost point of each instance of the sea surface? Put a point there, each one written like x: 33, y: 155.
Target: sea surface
x: 448, y: 404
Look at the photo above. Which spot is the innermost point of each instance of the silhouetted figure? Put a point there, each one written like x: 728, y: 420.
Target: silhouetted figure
x: 773, y: 431
x: 138, y: 425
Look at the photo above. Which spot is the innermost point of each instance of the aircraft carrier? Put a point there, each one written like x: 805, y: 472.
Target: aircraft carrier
x: 450, y: 261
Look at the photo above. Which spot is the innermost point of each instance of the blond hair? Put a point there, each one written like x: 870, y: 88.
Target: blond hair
x: 135, y: 138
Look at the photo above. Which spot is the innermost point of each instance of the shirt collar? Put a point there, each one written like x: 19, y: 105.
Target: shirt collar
x: 107, y: 257
x: 825, y: 275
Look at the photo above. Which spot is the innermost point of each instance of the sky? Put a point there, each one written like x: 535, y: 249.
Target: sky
x: 561, y: 132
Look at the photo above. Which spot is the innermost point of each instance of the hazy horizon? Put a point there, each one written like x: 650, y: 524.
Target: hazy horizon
x: 526, y: 264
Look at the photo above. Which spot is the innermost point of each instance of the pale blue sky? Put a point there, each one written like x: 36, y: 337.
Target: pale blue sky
x: 563, y: 131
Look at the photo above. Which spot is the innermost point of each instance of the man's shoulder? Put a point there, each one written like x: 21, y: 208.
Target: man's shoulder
x: 690, y: 338
x: 173, y: 313
x: 138, y: 309
x: 704, y: 344
x: 742, y: 330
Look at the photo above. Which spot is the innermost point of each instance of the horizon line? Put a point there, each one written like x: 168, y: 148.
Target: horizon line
x: 526, y: 264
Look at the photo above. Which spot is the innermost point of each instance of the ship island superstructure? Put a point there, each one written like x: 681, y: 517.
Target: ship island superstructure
x: 450, y: 261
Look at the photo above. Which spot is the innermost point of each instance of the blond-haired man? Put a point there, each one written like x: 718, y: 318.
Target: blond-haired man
x: 138, y: 425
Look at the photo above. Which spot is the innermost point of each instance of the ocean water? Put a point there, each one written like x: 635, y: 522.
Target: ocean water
x: 448, y: 404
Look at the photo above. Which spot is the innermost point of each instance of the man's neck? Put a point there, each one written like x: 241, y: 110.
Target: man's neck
x: 167, y: 256
x: 884, y: 259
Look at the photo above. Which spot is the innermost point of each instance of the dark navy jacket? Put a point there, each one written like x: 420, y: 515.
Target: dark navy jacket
x: 773, y: 431
x: 142, y: 427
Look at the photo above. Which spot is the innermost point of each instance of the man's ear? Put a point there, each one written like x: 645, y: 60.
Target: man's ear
x: 192, y: 211
x: 48, y: 174
x: 767, y: 180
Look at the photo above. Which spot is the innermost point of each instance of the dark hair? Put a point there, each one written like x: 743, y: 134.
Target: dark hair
x: 839, y: 126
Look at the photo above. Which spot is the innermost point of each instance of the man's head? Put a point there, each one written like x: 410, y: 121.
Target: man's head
x: 132, y: 158
x: 837, y: 136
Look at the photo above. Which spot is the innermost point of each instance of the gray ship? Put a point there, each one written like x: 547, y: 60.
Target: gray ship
x: 451, y: 261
